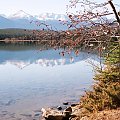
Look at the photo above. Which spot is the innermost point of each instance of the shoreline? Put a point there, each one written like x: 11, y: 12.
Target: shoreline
x: 76, y: 112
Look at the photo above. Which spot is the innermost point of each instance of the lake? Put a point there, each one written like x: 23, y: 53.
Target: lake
x: 31, y: 79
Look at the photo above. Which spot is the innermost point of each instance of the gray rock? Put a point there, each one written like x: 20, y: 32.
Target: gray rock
x: 73, y: 105
x: 69, y: 109
x: 59, y: 108
x: 51, y: 114
x: 65, y: 103
x: 55, y: 117
x: 37, y: 114
x: 75, y: 118
x: 68, y: 112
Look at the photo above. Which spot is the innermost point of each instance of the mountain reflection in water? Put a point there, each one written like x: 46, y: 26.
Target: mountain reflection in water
x: 32, y: 55
x: 45, y: 78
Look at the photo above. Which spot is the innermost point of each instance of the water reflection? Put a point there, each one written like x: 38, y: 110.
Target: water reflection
x: 45, y: 78
x: 32, y: 55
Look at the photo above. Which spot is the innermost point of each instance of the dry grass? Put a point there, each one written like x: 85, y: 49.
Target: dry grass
x: 104, y: 115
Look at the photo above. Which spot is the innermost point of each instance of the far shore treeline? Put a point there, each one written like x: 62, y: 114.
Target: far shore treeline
x: 25, y: 34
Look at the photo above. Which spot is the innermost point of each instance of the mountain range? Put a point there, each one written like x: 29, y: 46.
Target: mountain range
x: 24, y: 20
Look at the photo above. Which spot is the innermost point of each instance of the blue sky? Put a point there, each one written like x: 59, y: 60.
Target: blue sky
x: 35, y: 7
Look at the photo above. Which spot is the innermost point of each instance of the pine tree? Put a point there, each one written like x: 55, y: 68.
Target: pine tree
x: 106, y: 90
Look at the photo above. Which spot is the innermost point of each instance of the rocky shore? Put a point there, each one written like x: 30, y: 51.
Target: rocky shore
x: 61, y: 114
x: 75, y: 112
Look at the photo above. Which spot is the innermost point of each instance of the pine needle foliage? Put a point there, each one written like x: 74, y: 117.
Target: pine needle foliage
x: 106, y: 90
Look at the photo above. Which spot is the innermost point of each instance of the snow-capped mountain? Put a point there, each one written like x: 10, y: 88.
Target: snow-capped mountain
x: 22, y: 20
x: 44, y: 16
x: 51, y: 16
x: 3, y: 15
x: 20, y: 15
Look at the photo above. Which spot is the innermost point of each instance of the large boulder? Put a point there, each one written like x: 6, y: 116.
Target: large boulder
x: 70, y: 113
x: 51, y: 114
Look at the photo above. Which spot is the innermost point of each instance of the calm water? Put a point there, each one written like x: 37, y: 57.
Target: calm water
x: 31, y: 79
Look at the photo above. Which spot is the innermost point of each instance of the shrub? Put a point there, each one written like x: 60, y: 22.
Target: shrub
x: 106, y: 90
